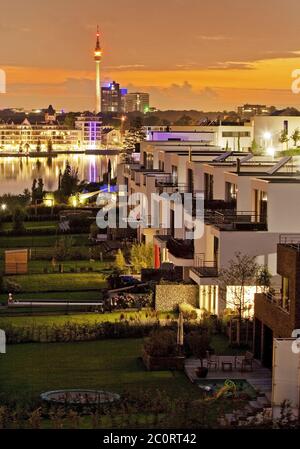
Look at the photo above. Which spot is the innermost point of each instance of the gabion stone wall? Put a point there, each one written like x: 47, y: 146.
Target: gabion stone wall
x: 168, y: 297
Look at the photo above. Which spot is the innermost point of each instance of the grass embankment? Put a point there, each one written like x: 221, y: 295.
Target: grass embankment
x: 59, y: 282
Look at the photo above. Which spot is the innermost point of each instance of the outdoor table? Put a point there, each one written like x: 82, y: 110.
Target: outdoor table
x: 227, y: 366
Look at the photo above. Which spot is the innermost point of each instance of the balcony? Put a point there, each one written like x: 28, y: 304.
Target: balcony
x: 290, y: 240
x: 170, y: 185
x: 237, y: 221
x: 205, y: 268
x: 275, y: 297
x: 181, y: 249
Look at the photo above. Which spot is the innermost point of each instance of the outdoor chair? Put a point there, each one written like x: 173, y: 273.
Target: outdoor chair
x: 245, y: 363
x: 212, y: 361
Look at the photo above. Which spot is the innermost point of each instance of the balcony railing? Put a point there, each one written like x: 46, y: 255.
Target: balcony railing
x: 239, y: 221
x: 205, y: 268
x: 170, y: 185
x: 292, y: 240
x: 274, y: 295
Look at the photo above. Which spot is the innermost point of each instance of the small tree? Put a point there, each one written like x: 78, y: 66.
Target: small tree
x: 134, y: 136
x: 120, y: 262
x: 296, y: 137
x: 199, y: 344
x: 264, y: 277
x: 63, y: 247
x: 284, y: 138
x: 243, y: 271
x: 141, y: 256
x: 69, y: 181
x: 49, y: 146
x: 18, y: 220
x: 161, y: 343
x: 255, y: 148
x: 184, y: 120
x: 37, y: 190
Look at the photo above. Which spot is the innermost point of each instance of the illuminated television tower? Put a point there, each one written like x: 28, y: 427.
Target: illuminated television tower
x: 98, y: 58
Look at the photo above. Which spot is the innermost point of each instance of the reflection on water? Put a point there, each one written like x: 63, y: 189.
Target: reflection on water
x: 17, y: 174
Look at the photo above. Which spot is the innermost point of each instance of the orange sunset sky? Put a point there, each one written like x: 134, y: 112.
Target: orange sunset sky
x: 189, y: 54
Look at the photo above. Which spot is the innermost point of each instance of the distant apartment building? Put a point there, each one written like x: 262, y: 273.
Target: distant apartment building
x: 250, y: 110
x: 89, y: 128
x: 30, y: 135
x: 137, y: 102
x: 113, y: 98
x: 232, y: 137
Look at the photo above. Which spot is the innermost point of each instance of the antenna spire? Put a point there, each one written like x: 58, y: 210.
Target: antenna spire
x: 98, y: 39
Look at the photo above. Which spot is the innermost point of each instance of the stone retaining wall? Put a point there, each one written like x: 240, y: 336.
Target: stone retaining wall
x: 168, y: 297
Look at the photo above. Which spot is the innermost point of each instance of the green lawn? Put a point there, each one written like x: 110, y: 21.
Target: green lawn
x: 28, y: 370
x: 77, y: 318
x: 59, y: 282
x: 32, y: 225
x: 39, y: 241
x: 39, y: 266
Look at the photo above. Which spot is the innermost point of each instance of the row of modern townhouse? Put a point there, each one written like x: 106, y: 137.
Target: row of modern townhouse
x: 250, y: 204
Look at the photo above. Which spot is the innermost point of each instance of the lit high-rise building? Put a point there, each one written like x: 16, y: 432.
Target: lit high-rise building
x: 112, y: 97
x: 137, y: 102
x: 98, y: 59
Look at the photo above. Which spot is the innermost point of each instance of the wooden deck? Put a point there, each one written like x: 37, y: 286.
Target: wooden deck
x: 260, y: 378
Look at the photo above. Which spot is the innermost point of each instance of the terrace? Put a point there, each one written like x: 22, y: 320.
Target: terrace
x: 237, y: 221
x: 275, y: 297
x: 205, y: 268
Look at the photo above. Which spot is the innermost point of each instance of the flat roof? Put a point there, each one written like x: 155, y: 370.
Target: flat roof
x: 281, y: 179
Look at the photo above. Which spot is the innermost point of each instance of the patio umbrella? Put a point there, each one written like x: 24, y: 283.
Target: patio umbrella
x: 109, y: 172
x: 180, y: 331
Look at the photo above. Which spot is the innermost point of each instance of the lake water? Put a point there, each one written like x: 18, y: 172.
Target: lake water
x: 17, y: 174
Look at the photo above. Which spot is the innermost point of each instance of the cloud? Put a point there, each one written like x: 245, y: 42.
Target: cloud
x: 215, y: 38
x: 125, y: 67
x: 180, y: 96
x: 232, y: 65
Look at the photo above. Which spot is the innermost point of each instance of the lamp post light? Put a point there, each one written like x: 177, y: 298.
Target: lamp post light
x: 267, y: 136
x: 3, y: 207
x: 271, y: 152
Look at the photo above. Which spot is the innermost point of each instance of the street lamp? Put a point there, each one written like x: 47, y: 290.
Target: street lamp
x: 267, y: 136
x: 3, y: 207
x: 271, y: 151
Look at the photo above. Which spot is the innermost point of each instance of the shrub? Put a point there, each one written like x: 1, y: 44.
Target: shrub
x: 10, y: 286
x: 18, y: 220
x: 188, y: 312
x: 161, y: 343
x: 199, y: 344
